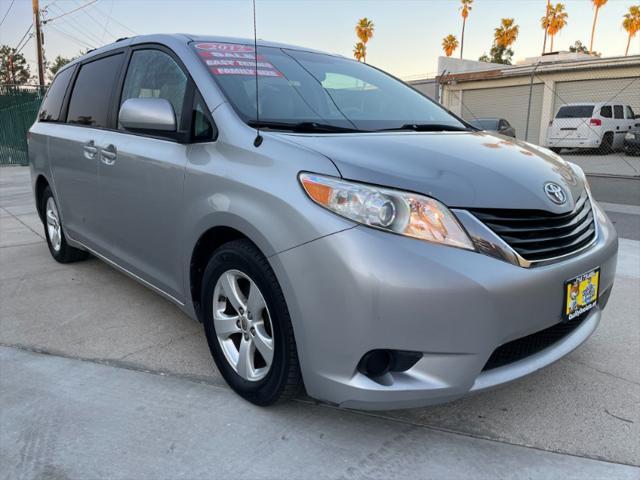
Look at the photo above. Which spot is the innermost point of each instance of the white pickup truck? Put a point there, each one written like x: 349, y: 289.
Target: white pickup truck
x: 591, y: 125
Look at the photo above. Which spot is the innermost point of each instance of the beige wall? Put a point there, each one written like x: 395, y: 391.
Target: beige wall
x: 453, y: 95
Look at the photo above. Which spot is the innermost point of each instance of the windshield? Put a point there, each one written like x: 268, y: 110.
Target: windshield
x: 298, y: 87
x: 575, y: 111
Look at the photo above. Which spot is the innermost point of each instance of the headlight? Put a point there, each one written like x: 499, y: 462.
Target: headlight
x: 404, y: 213
x: 630, y: 136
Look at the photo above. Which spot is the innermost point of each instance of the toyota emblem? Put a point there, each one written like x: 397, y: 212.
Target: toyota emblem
x: 555, y: 193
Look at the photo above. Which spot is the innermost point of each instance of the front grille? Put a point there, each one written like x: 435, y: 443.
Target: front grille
x: 538, y: 235
x: 531, y: 344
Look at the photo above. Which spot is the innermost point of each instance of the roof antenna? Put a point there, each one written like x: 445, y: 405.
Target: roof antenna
x: 258, y: 140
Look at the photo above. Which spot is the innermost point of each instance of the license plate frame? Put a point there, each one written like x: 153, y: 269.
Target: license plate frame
x: 581, y: 294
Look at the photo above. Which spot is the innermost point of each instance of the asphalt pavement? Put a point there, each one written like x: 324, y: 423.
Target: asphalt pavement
x: 102, y: 378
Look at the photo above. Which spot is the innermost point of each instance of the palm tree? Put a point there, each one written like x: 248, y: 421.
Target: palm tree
x: 360, y: 51
x: 449, y: 44
x: 464, y: 11
x: 597, y: 4
x: 364, y: 31
x: 507, y: 33
x: 558, y: 21
x: 545, y: 21
x: 631, y: 24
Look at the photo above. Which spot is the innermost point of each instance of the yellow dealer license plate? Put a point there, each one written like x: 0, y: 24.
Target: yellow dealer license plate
x: 581, y: 294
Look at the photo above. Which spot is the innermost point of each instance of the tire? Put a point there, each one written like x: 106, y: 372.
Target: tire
x: 556, y: 149
x: 241, y: 266
x: 60, y: 250
x: 606, y: 145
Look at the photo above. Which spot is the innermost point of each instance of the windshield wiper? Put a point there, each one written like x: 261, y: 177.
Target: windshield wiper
x: 427, y: 127
x: 303, y: 127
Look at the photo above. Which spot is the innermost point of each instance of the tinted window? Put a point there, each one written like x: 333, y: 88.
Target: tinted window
x: 575, y: 111
x: 154, y: 74
x: 89, y: 104
x: 606, y: 111
x: 618, y: 111
x: 50, y: 109
x: 202, y: 129
x: 298, y: 87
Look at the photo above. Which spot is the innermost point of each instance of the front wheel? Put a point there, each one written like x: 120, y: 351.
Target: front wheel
x: 247, y: 325
x: 60, y: 250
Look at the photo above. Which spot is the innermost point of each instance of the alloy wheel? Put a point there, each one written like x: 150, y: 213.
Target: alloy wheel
x: 53, y: 225
x: 243, y: 325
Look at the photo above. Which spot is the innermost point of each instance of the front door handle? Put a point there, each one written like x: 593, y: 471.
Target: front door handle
x: 108, y: 154
x: 90, y: 150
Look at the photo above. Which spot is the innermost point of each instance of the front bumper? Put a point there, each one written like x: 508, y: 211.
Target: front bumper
x: 362, y: 289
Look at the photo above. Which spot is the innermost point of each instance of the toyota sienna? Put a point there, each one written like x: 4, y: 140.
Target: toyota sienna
x: 329, y: 225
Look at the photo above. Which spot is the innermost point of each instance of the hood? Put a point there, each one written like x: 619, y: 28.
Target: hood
x: 460, y: 169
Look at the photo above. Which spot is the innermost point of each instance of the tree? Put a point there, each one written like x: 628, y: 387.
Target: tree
x: 58, y: 63
x: 507, y: 33
x: 557, y: 22
x: 598, y: 4
x: 13, y: 67
x: 631, y: 24
x: 359, y: 51
x: 545, y: 21
x: 579, y: 47
x: 498, y: 54
x: 364, y: 31
x: 464, y: 11
x: 449, y: 44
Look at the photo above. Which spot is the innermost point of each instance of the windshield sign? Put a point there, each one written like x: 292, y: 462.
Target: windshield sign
x: 312, y: 89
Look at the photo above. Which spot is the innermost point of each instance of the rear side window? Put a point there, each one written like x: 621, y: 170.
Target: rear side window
x: 50, y: 109
x: 575, y: 111
x: 606, y: 111
x: 154, y: 74
x: 89, y: 104
x: 618, y: 111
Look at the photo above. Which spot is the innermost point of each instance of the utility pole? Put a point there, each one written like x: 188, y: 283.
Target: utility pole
x: 39, y: 41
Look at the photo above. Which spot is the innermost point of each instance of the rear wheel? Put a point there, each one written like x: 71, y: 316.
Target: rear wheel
x: 247, y: 325
x: 60, y: 250
x: 606, y: 145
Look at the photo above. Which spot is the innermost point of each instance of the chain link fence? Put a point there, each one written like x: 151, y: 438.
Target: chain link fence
x: 584, y: 113
x: 18, y: 109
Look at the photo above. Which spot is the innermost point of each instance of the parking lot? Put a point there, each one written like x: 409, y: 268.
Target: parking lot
x: 102, y: 377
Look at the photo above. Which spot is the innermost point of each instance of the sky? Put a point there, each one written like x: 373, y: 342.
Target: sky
x: 407, y: 39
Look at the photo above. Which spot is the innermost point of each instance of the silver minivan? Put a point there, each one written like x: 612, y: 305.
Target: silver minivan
x: 329, y: 225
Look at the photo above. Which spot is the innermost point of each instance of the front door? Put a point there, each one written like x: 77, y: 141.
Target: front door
x: 141, y: 180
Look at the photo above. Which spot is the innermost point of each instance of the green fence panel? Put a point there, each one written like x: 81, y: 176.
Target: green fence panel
x: 19, y: 106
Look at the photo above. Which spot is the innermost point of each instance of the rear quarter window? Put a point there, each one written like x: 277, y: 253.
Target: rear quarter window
x: 90, y: 99
x: 575, y: 111
x: 52, y: 104
x: 606, y: 111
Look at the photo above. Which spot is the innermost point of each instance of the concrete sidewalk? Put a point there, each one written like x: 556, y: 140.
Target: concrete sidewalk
x: 68, y: 419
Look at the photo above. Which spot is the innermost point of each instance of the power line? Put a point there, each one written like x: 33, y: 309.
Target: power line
x: 70, y: 11
x: 7, y: 12
x: 79, y: 28
x: 24, y: 36
x: 76, y: 39
x: 113, y: 19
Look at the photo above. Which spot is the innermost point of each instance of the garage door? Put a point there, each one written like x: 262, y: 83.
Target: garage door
x: 623, y: 90
x: 506, y: 102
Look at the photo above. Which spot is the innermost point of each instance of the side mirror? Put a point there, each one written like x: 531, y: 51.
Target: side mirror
x: 147, y: 114
x: 637, y: 117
